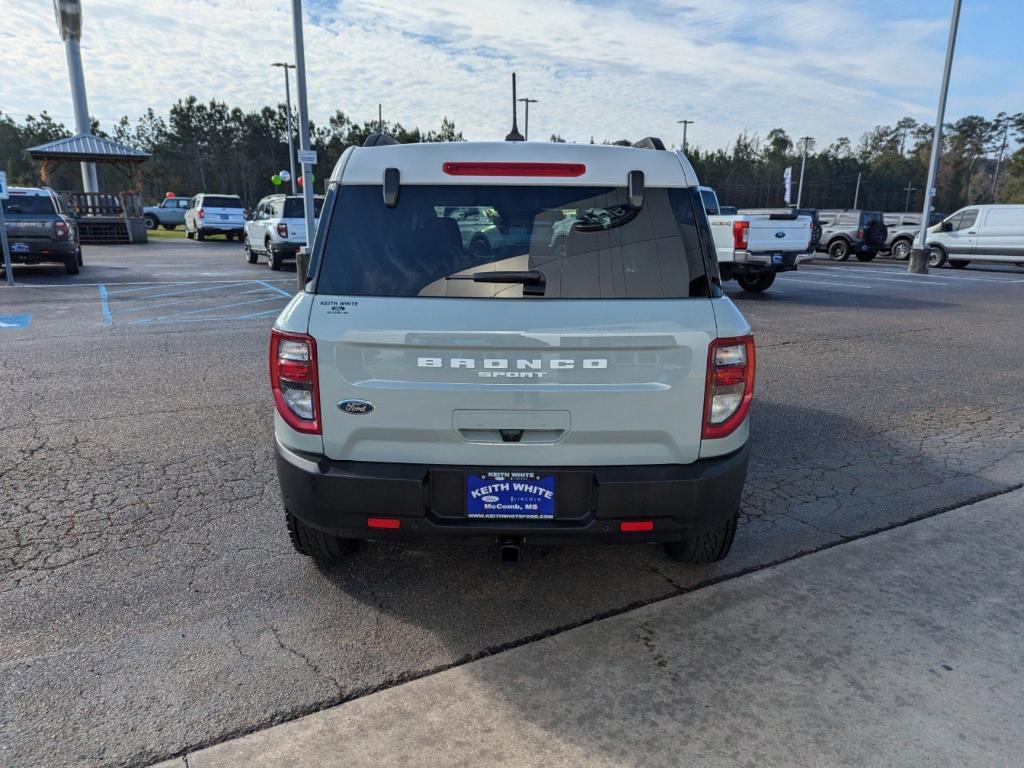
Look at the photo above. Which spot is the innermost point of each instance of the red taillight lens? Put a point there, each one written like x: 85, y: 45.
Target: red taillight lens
x: 514, y: 169
x: 740, y: 233
x: 860, y: 234
x: 61, y: 229
x: 730, y: 385
x: 383, y: 523
x: 282, y: 229
x: 636, y: 526
x: 199, y: 213
x: 293, y: 379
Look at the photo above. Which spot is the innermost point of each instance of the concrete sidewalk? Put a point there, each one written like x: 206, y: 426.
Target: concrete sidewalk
x: 903, y: 648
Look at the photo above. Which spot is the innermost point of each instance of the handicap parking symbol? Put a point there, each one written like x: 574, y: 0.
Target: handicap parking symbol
x: 9, y: 322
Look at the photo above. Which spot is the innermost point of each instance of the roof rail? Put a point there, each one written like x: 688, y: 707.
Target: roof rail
x: 379, y: 140
x: 649, y: 142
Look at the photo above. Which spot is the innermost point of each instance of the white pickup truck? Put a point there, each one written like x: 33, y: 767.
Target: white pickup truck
x: 753, y: 247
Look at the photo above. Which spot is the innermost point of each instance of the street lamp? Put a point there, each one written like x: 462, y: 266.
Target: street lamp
x: 684, y: 124
x: 803, y: 161
x: 919, y: 253
x: 288, y: 98
x: 526, y: 130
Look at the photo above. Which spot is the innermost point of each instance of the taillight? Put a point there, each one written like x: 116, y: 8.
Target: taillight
x: 199, y: 213
x: 740, y: 233
x: 860, y: 234
x: 61, y: 230
x: 730, y: 385
x: 514, y: 169
x: 293, y: 378
x: 282, y: 229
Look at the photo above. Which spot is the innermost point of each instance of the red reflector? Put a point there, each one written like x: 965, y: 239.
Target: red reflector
x: 383, y: 522
x: 733, y: 374
x: 293, y: 370
x: 514, y: 169
x: 636, y: 526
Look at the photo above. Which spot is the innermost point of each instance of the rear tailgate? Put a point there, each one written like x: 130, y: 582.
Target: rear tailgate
x: 534, y: 383
x: 778, y: 233
x: 29, y: 227
x: 214, y: 217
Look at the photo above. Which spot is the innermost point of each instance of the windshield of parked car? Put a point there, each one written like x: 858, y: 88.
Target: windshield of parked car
x: 219, y: 201
x: 585, y: 243
x: 29, y: 205
x: 293, y: 208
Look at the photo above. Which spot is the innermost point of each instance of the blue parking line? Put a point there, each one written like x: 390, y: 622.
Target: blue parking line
x: 207, y: 309
x: 155, y: 284
x: 105, y: 305
x: 190, y: 291
x: 275, y: 288
x: 175, y: 318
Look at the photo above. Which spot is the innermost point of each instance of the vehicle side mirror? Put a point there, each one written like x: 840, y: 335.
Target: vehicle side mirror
x: 635, y: 189
x: 947, y: 226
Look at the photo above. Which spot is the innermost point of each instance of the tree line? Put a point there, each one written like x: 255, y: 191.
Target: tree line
x: 213, y: 146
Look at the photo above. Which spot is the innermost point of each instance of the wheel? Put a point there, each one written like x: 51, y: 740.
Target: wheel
x: 71, y: 263
x: 708, y: 547
x: 958, y: 263
x: 322, y: 547
x: 250, y: 255
x: 200, y: 236
x: 839, y: 250
x: 479, y: 247
x: 188, y: 233
x: 867, y: 256
x: 80, y: 260
x: 152, y: 222
x: 936, y: 256
x: 273, y: 259
x: 170, y: 227
x: 760, y: 281
x: 900, y: 250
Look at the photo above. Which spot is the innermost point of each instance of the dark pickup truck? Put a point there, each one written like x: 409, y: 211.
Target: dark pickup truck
x: 39, y: 229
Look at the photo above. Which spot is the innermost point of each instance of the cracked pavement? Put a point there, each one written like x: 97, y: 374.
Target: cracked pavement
x: 150, y: 601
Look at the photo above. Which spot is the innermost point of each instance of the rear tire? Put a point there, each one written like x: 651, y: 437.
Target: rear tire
x: 274, y: 260
x: 958, y: 264
x: 756, y: 283
x: 322, y: 547
x: 71, y: 263
x: 189, y: 234
x: 839, y: 250
x: 200, y: 236
x: 936, y: 256
x: 250, y: 255
x: 707, y: 547
x: 869, y: 256
x: 170, y: 227
x: 152, y: 222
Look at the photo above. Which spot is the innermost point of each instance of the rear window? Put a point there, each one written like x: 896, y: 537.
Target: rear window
x: 29, y: 205
x: 293, y: 208
x: 217, y: 201
x: 582, y: 242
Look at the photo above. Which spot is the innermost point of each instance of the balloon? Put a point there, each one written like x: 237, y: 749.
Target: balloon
x: 276, y: 180
x: 285, y: 176
x: 169, y: 194
x: 302, y: 182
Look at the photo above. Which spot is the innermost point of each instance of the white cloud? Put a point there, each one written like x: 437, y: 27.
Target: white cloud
x: 607, y: 69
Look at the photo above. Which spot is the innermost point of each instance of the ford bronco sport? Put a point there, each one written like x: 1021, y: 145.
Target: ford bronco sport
x: 582, y: 379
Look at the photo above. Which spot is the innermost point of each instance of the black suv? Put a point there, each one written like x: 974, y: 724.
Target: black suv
x: 39, y: 228
x: 845, y: 232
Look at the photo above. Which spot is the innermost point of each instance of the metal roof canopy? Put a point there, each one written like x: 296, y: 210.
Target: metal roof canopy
x: 85, y: 146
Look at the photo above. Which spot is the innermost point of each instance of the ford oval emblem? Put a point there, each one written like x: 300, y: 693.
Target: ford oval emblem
x: 355, y: 406
x: 780, y: 235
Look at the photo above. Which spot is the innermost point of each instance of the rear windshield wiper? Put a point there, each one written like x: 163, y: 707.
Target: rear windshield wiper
x: 532, y: 280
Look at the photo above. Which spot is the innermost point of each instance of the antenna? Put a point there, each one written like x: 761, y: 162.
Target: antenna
x: 514, y: 134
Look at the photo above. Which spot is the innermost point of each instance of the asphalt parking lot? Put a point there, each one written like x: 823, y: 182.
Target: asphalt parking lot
x: 150, y: 601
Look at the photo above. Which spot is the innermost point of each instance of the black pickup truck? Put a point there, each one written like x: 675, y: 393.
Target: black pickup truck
x: 39, y: 229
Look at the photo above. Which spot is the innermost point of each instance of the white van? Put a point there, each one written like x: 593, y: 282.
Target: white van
x: 978, y: 233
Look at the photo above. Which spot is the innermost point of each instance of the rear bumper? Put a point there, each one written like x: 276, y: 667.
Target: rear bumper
x: 758, y: 262
x: 38, y: 250
x: 284, y: 250
x: 337, y: 497
x: 221, y: 229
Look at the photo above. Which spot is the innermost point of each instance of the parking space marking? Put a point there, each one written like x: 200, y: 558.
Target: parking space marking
x: 876, y: 270
x: 105, y: 305
x: 275, y: 288
x: 824, y: 282
x: 214, y: 308
x: 190, y: 301
x: 8, y: 322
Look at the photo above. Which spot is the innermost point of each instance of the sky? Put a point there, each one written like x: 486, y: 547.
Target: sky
x: 606, y: 68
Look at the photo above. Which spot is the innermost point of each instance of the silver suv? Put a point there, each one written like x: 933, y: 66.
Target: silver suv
x: 594, y: 390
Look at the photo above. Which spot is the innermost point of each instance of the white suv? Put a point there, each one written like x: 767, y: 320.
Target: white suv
x: 214, y: 215
x: 277, y: 228
x: 594, y: 390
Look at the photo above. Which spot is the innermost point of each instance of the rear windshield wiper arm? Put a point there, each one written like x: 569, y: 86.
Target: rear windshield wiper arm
x: 532, y: 280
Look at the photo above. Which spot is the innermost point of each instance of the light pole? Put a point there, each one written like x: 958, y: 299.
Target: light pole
x: 69, y: 24
x: 803, y: 161
x: 291, y: 133
x: 684, y: 123
x: 919, y: 253
x: 526, y: 127
x: 307, y: 167
x: 909, y: 188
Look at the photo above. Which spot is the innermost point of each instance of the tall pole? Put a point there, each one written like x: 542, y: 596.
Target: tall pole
x: 291, y: 131
x: 380, y: 118
x: 514, y: 134
x: 856, y: 193
x: 526, y: 127
x: 803, y: 161
x: 999, y: 161
x: 918, y: 263
x: 300, y: 76
x: 684, y: 123
x: 69, y: 24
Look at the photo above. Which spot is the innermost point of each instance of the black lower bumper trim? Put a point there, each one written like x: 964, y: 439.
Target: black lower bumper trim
x: 338, y: 497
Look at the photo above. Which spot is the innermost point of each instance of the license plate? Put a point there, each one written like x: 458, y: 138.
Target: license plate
x: 223, y: 217
x: 19, y: 247
x: 503, y: 495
